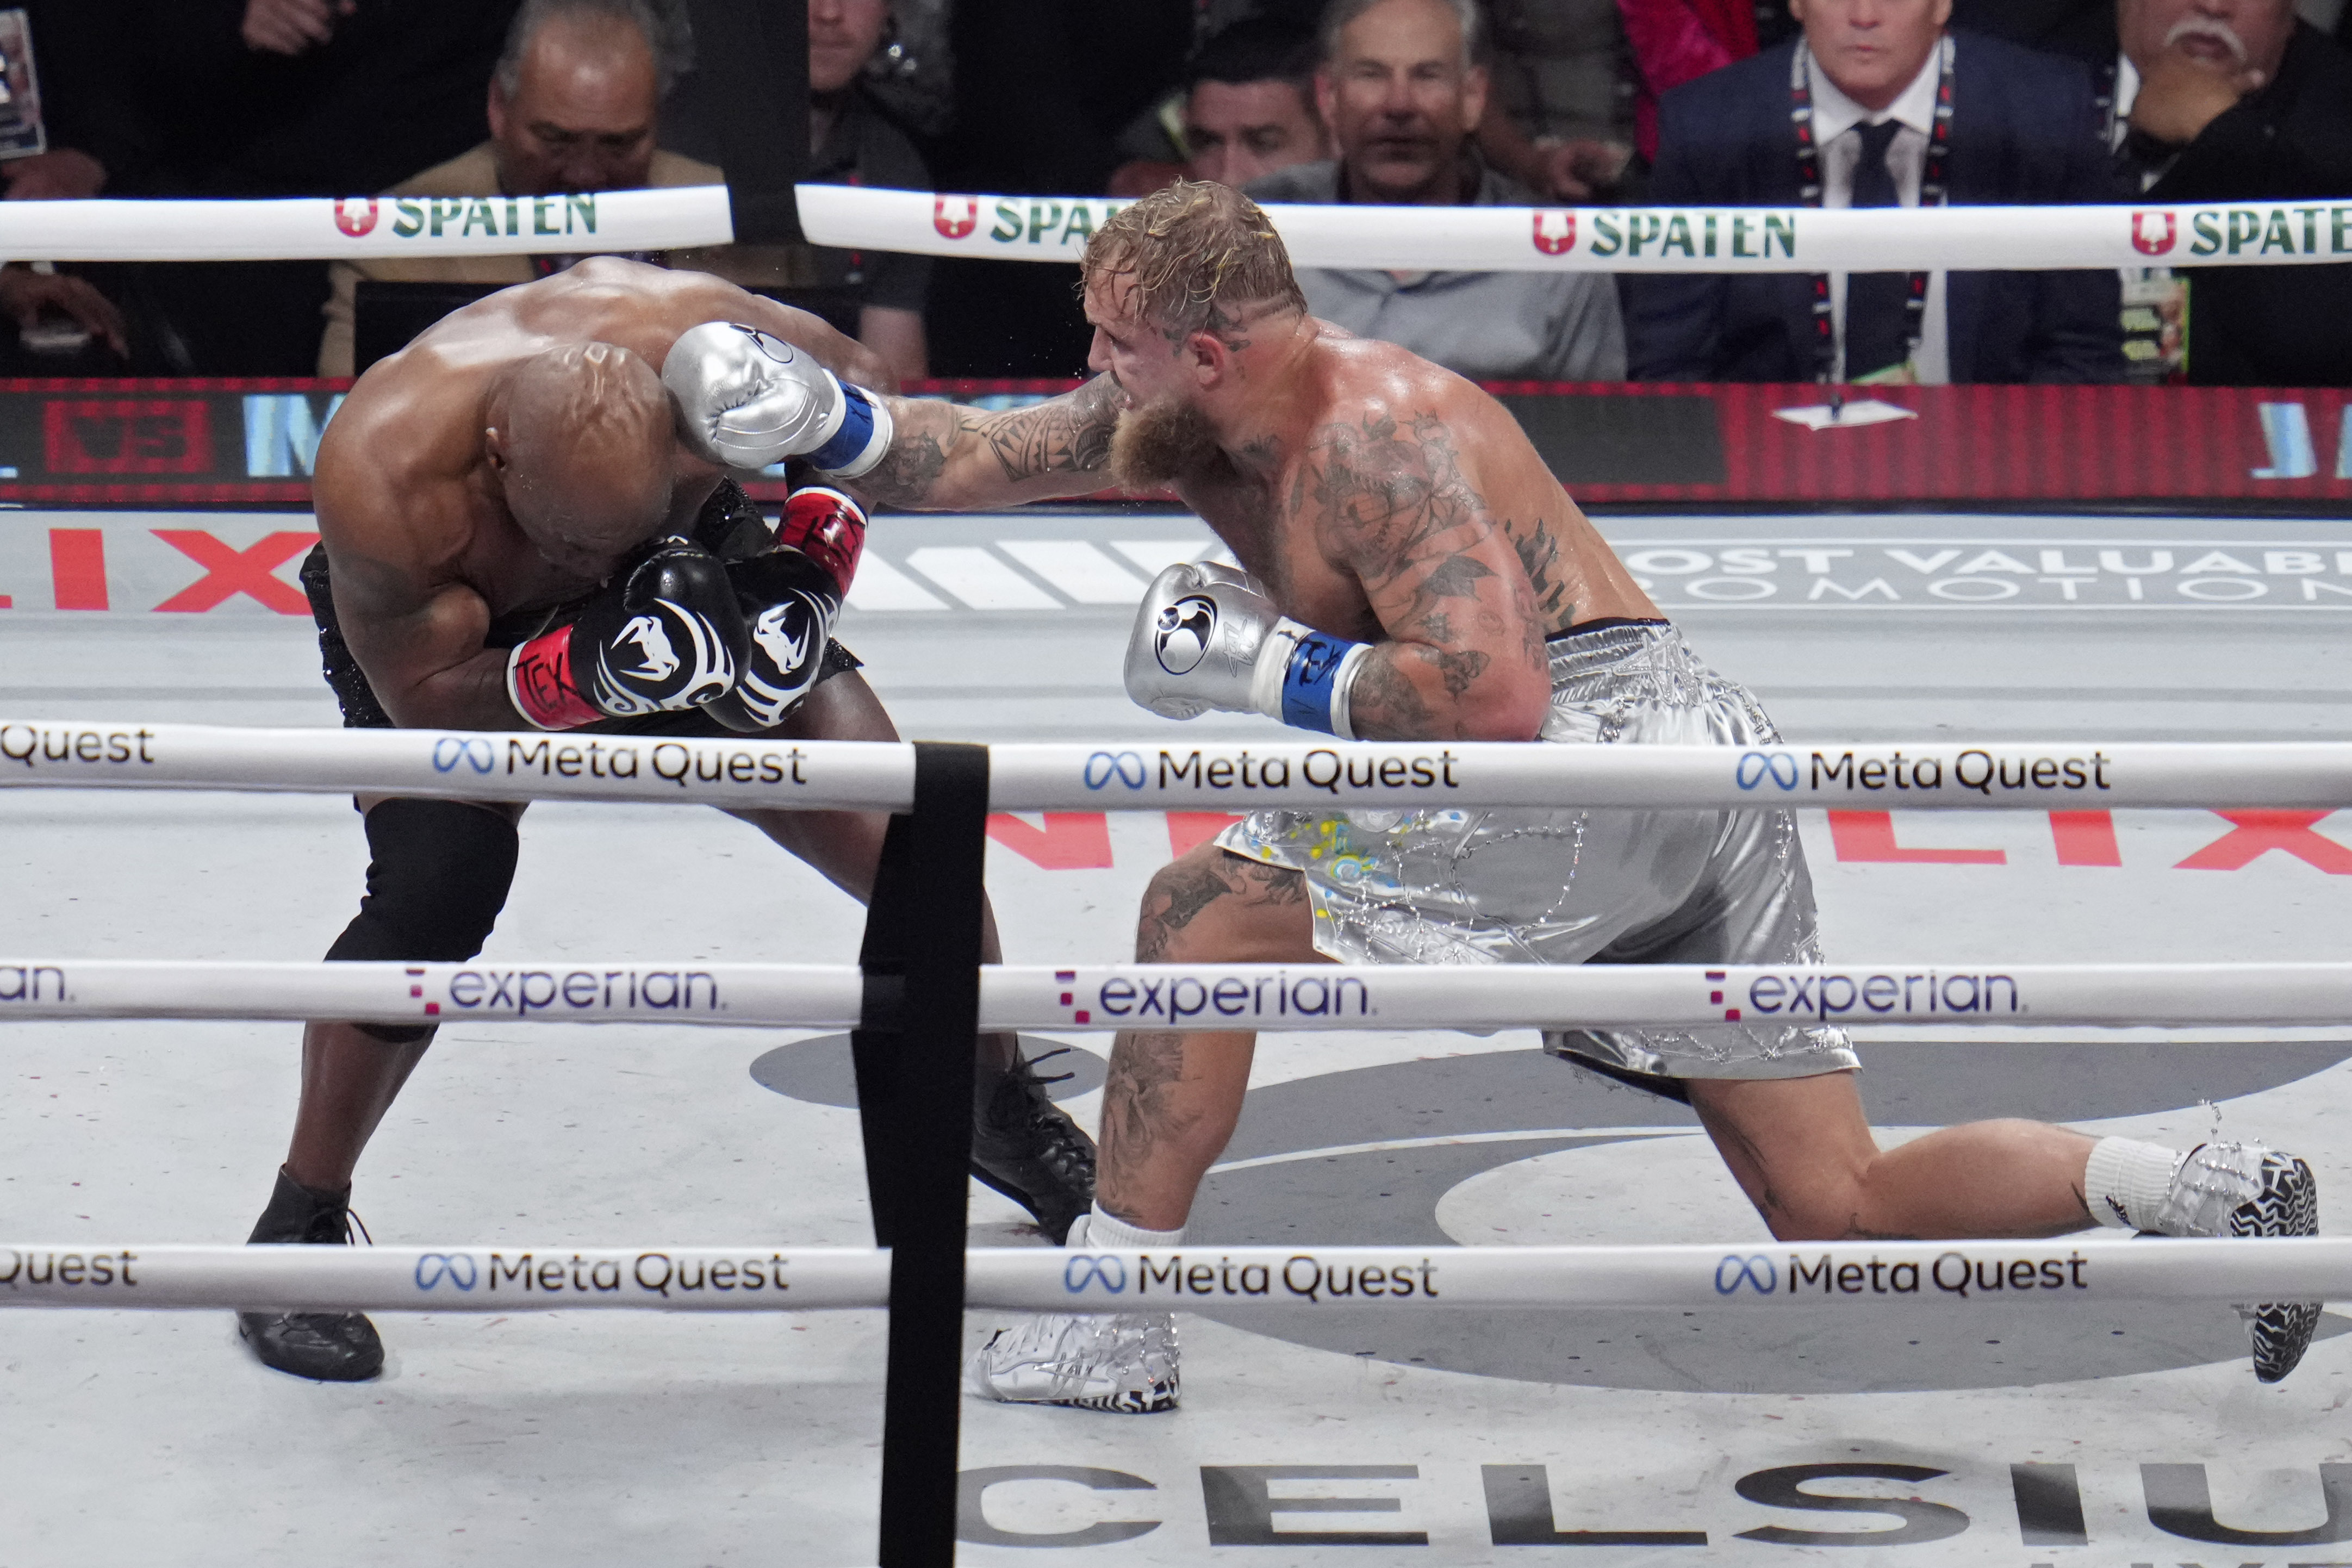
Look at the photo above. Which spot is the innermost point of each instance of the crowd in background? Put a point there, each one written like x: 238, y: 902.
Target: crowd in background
x: 1430, y: 103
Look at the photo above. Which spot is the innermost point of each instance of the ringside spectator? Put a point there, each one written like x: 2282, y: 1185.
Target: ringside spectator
x: 1249, y: 105
x: 2222, y: 101
x: 1865, y: 77
x: 573, y: 105
x: 1246, y: 108
x: 1402, y: 87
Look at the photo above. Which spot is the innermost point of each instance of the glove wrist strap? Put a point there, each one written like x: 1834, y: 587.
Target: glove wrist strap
x: 540, y: 683
x: 1315, y: 676
x: 859, y: 440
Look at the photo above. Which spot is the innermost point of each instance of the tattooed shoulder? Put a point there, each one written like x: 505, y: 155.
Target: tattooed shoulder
x: 1386, y: 491
x: 1538, y: 554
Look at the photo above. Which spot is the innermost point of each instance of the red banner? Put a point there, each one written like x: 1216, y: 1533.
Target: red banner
x: 254, y: 442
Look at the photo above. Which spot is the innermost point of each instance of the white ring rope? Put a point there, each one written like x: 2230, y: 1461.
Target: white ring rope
x: 2035, y: 775
x: 1627, y: 239
x: 1054, y: 228
x: 1310, y: 996
x: 354, y: 228
x: 1753, y: 1277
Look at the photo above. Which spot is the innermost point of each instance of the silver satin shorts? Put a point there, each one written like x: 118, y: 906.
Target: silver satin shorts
x: 1561, y: 887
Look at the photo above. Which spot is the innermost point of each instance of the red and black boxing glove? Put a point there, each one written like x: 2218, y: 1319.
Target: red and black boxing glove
x: 792, y: 595
x: 665, y: 635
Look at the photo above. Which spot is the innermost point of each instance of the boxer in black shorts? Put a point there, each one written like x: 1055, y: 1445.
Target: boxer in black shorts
x: 525, y: 521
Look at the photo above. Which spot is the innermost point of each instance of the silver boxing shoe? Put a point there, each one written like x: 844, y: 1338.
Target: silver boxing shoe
x: 1122, y: 1362
x: 2244, y: 1189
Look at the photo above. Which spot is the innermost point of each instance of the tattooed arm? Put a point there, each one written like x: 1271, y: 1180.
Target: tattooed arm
x: 1463, y: 657
x: 947, y: 457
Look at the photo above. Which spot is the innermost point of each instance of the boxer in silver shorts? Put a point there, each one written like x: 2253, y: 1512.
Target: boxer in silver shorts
x: 1561, y: 887
x: 1413, y: 572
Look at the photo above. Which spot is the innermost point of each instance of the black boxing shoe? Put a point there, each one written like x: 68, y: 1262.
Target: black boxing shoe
x: 1025, y: 1146
x: 328, y: 1347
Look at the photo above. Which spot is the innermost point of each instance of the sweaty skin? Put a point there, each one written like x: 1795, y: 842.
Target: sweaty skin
x: 1379, y: 497
x: 423, y: 552
x: 1382, y: 498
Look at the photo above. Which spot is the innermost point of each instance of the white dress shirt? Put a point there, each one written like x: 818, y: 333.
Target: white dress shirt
x: 2127, y: 94
x: 1837, y: 122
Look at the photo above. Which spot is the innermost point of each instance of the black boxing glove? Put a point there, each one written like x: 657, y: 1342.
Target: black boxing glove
x: 665, y: 634
x: 791, y: 596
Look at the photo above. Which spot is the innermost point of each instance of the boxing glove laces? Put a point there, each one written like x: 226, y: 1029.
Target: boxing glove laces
x: 664, y: 635
x: 1206, y: 636
x: 749, y: 399
x: 791, y: 596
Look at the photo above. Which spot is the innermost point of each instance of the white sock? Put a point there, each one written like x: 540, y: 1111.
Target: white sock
x: 1096, y: 1228
x: 2126, y: 1182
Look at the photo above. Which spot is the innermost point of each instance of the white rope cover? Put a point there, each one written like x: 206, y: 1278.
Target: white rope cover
x: 2092, y: 1271
x: 1628, y: 239
x: 355, y: 228
x: 1316, y: 996
x: 2036, y: 775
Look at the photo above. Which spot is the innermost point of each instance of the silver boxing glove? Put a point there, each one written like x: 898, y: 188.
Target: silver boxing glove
x: 749, y: 399
x: 1207, y: 636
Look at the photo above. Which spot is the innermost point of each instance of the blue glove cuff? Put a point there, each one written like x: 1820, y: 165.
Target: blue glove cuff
x: 855, y: 438
x: 1313, y: 695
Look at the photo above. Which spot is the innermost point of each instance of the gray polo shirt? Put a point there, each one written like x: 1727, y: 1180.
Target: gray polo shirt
x: 1488, y: 326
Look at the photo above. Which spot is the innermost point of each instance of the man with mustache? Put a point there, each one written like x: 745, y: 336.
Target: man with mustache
x: 1402, y: 86
x: 2218, y: 100
x: 1416, y: 572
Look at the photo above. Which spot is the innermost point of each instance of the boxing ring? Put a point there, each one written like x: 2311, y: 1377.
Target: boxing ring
x: 1031, y: 1480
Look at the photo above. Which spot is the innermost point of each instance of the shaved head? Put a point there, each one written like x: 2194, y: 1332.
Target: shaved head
x: 587, y: 437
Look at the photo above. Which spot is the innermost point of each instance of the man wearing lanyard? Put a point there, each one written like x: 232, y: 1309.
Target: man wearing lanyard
x: 1877, y: 105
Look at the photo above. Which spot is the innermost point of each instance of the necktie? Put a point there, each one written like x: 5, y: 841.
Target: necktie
x: 1875, y: 321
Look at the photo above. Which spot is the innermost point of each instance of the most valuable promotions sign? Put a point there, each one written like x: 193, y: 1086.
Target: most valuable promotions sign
x: 1627, y: 239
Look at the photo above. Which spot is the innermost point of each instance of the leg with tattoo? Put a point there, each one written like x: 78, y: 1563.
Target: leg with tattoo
x: 1172, y: 1099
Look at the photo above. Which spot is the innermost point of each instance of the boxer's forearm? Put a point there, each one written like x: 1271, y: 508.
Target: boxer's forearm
x: 948, y: 458
x: 1414, y: 691
x: 423, y: 651
x: 468, y: 696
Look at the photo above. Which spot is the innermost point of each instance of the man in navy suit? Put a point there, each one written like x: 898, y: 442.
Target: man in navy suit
x: 1864, y: 80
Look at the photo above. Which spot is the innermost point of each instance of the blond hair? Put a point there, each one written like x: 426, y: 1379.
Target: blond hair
x: 1201, y: 257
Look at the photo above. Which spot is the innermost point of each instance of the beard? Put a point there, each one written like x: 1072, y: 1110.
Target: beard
x: 1164, y: 442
